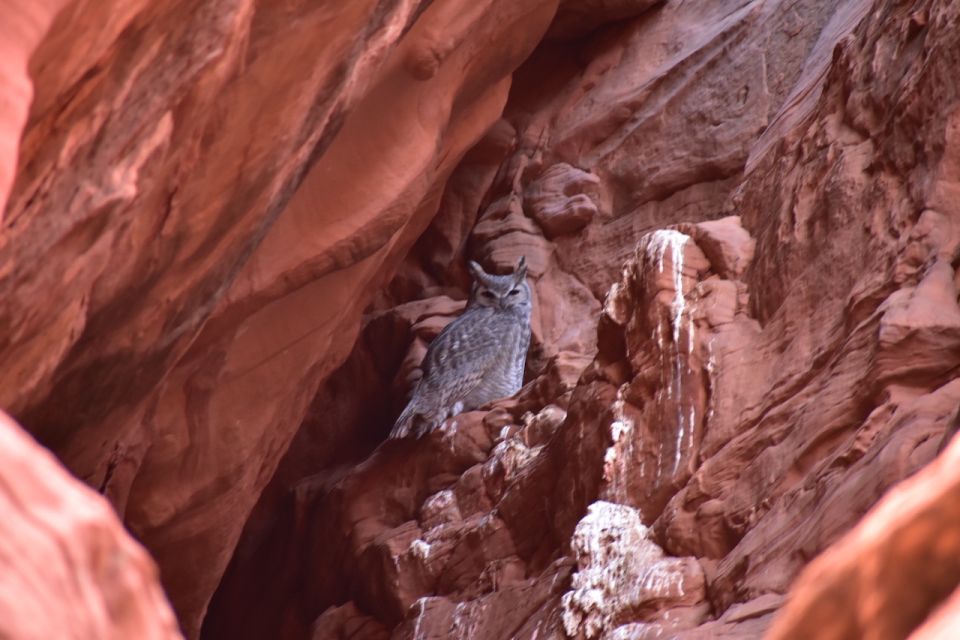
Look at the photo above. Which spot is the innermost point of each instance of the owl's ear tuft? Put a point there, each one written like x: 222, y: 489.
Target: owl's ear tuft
x: 476, y: 270
x: 520, y: 271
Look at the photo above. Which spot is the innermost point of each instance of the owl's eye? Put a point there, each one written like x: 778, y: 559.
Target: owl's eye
x: 514, y: 292
x: 489, y: 295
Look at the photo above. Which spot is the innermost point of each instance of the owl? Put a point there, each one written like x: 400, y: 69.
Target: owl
x: 477, y: 358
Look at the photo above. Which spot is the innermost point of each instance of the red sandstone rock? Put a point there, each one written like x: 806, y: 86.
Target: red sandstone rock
x: 69, y: 569
x: 794, y: 434
x: 942, y: 624
x: 888, y: 574
x: 194, y: 229
x: 346, y: 622
x: 22, y: 30
x: 563, y: 200
x: 579, y: 17
x: 806, y: 414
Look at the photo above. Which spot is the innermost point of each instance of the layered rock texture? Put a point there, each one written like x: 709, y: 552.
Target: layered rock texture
x: 232, y: 227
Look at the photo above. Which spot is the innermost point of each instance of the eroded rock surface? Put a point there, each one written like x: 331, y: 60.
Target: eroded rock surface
x: 751, y: 393
x: 620, y: 570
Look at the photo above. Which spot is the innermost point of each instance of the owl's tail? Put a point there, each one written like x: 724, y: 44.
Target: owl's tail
x: 401, y: 428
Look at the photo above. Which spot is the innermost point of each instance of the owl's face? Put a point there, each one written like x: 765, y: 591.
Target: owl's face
x: 501, y: 292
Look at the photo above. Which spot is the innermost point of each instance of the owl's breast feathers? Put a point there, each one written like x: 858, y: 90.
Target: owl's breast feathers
x: 474, y: 360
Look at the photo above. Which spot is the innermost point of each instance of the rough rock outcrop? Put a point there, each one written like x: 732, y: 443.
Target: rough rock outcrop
x: 235, y: 226
x: 620, y: 571
x: 759, y: 380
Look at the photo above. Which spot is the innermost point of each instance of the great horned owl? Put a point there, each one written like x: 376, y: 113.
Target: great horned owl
x: 477, y: 358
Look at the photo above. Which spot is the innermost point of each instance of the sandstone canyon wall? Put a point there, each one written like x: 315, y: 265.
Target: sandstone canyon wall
x: 232, y: 227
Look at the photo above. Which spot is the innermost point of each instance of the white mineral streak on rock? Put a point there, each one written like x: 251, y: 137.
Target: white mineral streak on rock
x: 655, y: 246
x: 421, y: 549
x: 621, y: 436
x: 615, y: 304
x: 440, y: 508
x: 650, y: 263
x: 609, y: 302
x: 536, y: 631
x: 464, y: 623
x: 619, y: 570
x: 440, y: 501
x: 636, y: 630
x: 509, y: 457
x: 712, y: 371
x: 421, y: 605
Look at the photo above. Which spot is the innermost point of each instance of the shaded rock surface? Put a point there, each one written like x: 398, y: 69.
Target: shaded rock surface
x: 235, y: 226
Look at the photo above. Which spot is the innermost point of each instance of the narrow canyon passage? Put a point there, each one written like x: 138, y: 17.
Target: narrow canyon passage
x: 233, y: 227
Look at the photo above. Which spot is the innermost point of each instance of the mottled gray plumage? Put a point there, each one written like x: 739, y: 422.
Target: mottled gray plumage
x: 477, y: 358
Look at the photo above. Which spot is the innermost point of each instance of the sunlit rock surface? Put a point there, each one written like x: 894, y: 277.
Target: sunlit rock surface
x: 69, y: 569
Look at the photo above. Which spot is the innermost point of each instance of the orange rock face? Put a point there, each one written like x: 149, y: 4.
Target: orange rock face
x: 893, y: 575
x: 231, y: 229
x: 69, y: 568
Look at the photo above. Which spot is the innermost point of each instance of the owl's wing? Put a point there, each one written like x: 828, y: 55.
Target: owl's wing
x: 462, y: 354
